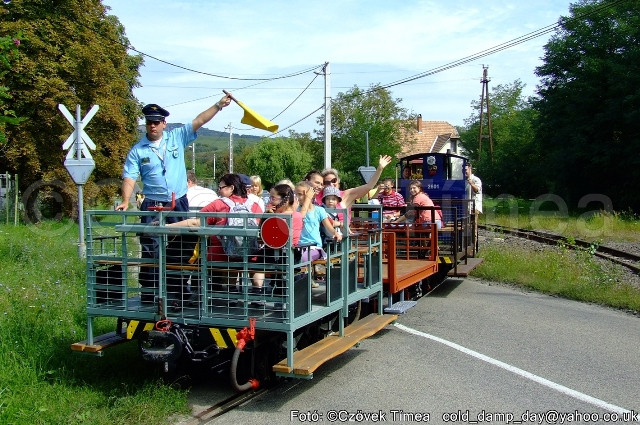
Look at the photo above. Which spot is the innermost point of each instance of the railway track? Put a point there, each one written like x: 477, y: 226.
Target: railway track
x: 222, y: 407
x: 627, y: 259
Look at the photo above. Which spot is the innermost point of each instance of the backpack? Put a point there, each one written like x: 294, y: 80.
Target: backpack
x: 234, y: 246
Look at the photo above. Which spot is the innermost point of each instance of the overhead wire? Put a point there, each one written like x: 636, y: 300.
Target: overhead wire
x: 483, y: 53
x: 500, y: 47
x: 259, y: 80
x: 492, y: 50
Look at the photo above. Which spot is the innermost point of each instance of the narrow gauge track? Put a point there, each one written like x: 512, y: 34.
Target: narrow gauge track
x: 222, y: 407
x: 627, y: 259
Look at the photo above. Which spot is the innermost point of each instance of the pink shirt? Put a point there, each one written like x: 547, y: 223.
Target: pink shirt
x: 423, y: 200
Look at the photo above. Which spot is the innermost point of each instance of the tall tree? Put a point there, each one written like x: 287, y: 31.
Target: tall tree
x: 512, y: 166
x: 355, y: 113
x: 277, y: 159
x: 71, y: 54
x: 589, y: 107
x: 8, y: 52
x: 266, y: 158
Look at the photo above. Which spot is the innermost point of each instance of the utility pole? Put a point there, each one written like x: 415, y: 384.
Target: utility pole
x: 485, y: 95
x: 230, y: 148
x: 193, y: 157
x: 327, y: 115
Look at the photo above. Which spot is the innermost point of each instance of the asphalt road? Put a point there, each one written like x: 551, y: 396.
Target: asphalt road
x: 473, y: 352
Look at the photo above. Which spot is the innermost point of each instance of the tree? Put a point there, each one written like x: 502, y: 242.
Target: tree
x: 589, y: 106
x: 355, y: 113
x: 511, y: 169
x: 8, y: 51
x: 71, y: 54
x: 277, y: 159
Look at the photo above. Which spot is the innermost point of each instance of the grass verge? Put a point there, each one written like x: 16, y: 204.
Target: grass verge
x: 42, y: 312
x: 571, y: 274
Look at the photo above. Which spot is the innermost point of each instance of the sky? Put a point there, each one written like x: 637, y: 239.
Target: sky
x: 205, y: 46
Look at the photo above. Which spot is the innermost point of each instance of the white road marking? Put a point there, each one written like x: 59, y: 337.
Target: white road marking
x: 557, y: 387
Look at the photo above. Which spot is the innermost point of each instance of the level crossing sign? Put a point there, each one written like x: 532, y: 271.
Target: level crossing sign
x: 79, y: 162
x: 366, y: 173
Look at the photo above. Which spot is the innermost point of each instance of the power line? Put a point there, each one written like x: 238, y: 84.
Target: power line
x: 471, y: 58
x: 294, y: 74
x: 500, y: 47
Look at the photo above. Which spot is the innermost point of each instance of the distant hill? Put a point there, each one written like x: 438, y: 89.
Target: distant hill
x: 205, y: 132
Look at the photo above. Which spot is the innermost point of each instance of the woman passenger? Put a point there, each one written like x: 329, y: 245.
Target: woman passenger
x: 420, y: 198
x: 230, y: 186
x: 349, y: 196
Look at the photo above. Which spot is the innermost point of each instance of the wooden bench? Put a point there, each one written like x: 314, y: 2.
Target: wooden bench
x: 307, y: 360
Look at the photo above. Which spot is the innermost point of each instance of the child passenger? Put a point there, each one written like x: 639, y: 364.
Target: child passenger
x: 281, y: 201
x: 331, y: 199
x: 312, y: 217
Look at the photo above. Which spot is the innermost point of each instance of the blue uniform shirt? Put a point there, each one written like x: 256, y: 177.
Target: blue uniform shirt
x: 162, y: 170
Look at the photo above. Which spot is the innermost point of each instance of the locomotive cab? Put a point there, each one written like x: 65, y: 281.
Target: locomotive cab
x: 441, y: 174
x: 443, y: 178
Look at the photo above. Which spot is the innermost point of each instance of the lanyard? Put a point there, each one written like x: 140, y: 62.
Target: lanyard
x: 163, y: 146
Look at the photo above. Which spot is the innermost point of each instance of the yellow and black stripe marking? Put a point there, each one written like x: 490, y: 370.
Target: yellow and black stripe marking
x: 444, y: 260
x: 136, y: 327
x: 224, y: 338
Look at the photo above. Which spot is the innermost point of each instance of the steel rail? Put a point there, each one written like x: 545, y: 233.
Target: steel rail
x: 627, y: 259
x: 223, y: 407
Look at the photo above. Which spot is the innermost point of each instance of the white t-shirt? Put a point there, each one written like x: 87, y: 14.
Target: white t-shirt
x: 476, y: 196
x: 199, y: 196
x: 258, y: 200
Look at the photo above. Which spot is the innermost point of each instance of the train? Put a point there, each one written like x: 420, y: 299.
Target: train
x: 186, y: 309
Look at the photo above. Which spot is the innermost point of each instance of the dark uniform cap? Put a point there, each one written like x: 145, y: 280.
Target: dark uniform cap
x: 245, y: 180
x: 153, y: 112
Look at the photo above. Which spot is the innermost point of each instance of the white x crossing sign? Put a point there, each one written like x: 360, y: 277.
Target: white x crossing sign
x: 79, y: 162
x: 84, y: 143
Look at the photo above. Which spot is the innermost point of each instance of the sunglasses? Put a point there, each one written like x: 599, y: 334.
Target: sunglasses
x: 222, y: 187
x: 153, y: 122
x: 332, y: 181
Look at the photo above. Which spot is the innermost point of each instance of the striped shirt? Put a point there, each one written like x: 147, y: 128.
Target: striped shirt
x: 391, y: 202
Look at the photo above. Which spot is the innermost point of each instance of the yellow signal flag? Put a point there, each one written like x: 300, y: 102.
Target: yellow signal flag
x: 256, y: 120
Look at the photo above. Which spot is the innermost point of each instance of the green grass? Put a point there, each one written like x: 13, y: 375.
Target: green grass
x: 570, y: 274
x: 42, y: 313
x: 596, y: 226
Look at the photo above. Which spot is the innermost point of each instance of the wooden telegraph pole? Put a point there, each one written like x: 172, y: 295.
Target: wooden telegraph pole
x: 485, y: 95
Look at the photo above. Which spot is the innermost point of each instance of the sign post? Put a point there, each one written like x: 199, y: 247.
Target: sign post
x: 79, y: 162
x: 367, y: 172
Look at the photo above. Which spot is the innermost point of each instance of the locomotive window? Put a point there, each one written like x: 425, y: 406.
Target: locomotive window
x: 412, y: 169
x: 457, y: 169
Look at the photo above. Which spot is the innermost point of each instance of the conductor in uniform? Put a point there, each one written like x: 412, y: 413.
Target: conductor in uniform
x: 158, y: 159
